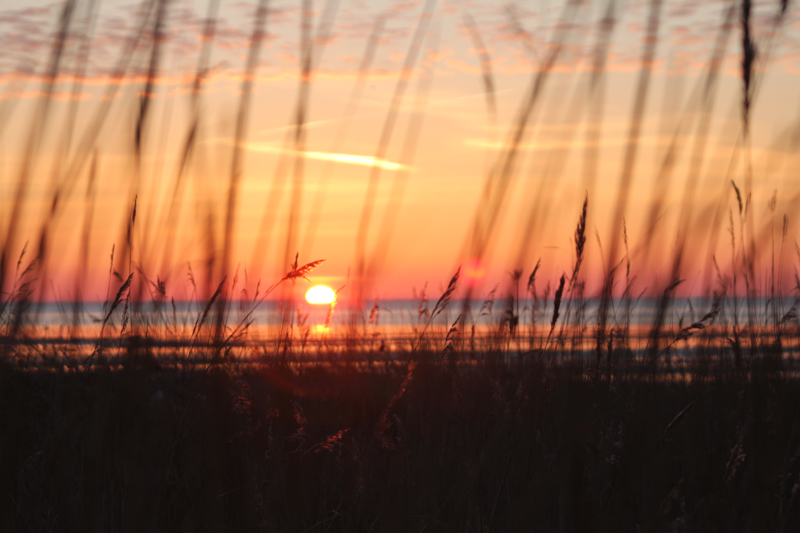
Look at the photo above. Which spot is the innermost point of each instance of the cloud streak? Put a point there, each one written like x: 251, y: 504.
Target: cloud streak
x: 346, y: 159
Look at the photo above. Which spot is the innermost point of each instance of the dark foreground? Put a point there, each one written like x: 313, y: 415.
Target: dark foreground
x: 488, y: 447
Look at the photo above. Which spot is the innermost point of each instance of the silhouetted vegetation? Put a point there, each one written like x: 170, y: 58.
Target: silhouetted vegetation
x: 560, y: 408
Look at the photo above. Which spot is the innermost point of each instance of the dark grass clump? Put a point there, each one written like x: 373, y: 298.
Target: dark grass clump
x: 515, y: 447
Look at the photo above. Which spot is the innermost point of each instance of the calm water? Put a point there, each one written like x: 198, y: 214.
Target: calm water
x: 389, y: 314
x: 393, y: 328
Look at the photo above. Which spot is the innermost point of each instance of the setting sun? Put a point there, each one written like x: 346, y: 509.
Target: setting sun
x: 320, y: 294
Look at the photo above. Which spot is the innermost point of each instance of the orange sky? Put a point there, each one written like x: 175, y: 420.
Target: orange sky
x: 437, y: 191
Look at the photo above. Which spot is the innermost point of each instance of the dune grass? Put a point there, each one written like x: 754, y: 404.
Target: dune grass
x: 551, y: 406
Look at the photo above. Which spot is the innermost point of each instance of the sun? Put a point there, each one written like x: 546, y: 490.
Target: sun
x: 320, y: 294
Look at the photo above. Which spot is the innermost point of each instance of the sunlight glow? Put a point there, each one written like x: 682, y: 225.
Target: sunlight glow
x: 474, y: 271
x: 320, y: 294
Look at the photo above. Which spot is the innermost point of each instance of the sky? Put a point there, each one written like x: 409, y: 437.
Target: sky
x: 414, y: 199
